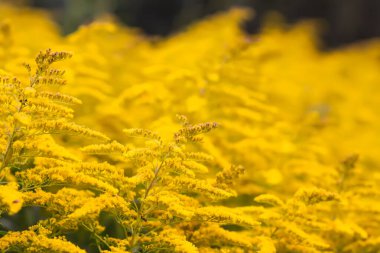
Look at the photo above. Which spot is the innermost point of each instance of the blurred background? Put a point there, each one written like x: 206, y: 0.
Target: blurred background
x: 341, y: 21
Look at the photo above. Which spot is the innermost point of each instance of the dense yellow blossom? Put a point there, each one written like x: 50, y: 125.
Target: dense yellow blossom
x: 11, y: 199
x: 284, y: 159
x: 29, y: 241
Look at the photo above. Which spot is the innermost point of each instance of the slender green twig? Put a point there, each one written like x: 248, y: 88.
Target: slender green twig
x: 137, y: 230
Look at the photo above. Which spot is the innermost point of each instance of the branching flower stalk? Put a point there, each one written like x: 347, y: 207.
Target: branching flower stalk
x: 140, y: 208
x: 174, y: 189
x: 42, y: 66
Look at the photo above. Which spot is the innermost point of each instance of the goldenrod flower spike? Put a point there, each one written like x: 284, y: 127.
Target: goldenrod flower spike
x: 166, y: 184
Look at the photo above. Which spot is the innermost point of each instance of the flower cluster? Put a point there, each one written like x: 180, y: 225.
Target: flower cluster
x: 97, y: 155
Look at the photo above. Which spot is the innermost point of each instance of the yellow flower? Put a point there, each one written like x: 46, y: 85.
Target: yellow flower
x: 11, y: 200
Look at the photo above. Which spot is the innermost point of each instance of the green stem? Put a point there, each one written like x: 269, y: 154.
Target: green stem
x: 97, y: 237
x: 157, y: 170
x: 137, y: 230
x: 7, y: 154
x: 8, y: 151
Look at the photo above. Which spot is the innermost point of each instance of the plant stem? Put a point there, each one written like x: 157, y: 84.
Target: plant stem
x: 8, y: 151
x: 97, y: 237
x: 156, y: 171
x: 137, y: 230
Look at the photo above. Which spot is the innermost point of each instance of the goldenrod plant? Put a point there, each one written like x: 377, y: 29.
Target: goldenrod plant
x: 101, y: 145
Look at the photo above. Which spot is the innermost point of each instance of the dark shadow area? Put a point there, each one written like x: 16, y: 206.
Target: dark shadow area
x: 344, y: 21
x: 26, y: 217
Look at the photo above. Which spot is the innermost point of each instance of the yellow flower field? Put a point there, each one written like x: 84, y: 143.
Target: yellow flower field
x: 210, y: 140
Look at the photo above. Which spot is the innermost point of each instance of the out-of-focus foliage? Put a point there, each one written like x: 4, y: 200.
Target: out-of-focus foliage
x: 302, y: 125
